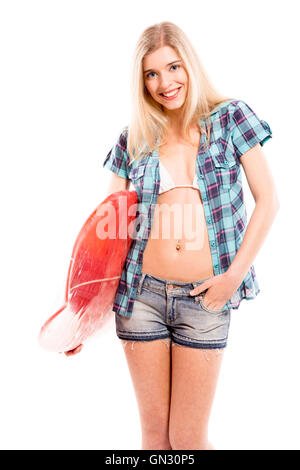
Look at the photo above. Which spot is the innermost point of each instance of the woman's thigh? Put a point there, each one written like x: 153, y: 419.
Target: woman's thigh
x: 194, y: 379
x: 150, y: 370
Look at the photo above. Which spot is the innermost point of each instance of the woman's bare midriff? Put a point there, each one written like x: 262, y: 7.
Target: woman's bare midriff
x: 192, y: 262
x: 179, y: 219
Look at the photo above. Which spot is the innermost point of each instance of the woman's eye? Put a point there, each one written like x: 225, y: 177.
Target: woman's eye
x: 148, y: 74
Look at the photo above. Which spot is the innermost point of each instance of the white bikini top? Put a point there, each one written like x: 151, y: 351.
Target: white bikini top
x: 166, y: 182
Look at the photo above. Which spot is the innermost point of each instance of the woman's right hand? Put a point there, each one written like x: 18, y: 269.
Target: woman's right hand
x: 74, y: 351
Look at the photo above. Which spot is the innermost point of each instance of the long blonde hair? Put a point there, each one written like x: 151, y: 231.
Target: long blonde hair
x: 148, y: 120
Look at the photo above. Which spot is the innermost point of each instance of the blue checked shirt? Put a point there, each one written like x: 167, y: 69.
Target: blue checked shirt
x: 235, y: 129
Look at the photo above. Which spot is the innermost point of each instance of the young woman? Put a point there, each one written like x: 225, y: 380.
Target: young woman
x: 189, y: 264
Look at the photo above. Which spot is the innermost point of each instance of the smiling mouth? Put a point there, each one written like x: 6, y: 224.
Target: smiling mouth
x: 171, y: 93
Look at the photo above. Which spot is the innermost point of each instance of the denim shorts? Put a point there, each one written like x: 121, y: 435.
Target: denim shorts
x: 164, y: 309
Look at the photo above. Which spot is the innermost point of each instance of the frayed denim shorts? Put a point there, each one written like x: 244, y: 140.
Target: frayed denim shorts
x: 164, y: 309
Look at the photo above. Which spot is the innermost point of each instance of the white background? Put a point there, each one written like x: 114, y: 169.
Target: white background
x: 65, y: 70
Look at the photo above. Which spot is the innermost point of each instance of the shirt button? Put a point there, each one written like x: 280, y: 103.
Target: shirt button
x: 209, y: 220
x: 216, y: 266
x: 204, y: 198
x: 213, y: 243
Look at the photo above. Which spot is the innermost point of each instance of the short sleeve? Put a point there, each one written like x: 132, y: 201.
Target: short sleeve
x: 247, y: 129
x: 117, y: 158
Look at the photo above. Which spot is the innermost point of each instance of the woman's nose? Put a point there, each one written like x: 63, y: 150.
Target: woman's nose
x: 164, y: 83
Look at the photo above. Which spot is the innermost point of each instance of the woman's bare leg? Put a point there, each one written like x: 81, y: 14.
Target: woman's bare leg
x: 194, y: 379
x: 149, y: 366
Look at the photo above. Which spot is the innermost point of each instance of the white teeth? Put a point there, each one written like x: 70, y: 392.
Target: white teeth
x: 171, y: 93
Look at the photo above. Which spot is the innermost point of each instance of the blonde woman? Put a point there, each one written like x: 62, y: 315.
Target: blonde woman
x: 190, y: 263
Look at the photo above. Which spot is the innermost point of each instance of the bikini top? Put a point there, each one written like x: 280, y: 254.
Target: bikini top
x: 167, y: 183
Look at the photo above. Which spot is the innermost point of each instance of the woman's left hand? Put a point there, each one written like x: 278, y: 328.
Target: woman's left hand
x: 220, y: 289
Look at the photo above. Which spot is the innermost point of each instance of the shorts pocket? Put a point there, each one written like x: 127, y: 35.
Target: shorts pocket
x: 208, y: 309
x: 150, y: 289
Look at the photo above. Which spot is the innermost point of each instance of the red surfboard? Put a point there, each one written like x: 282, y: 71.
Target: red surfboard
x: 95, y: 269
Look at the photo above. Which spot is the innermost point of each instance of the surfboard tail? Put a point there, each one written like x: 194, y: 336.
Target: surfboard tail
x: 57, y: 334
x: 65, y: 330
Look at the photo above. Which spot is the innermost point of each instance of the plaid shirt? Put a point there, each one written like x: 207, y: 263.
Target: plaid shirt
x: 235, y: 129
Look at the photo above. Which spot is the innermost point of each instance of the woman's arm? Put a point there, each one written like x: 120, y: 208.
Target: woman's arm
x: 220, y: 288
x: 263, y: 189
x: 117, y: 183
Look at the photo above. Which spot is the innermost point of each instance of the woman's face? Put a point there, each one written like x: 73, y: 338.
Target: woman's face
x: 164, y: 72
